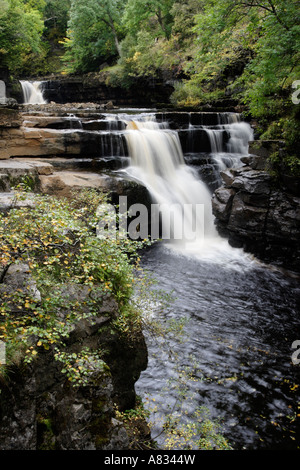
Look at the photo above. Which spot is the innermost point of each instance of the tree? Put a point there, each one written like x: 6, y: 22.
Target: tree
x: 21, y: 28
x: 94, y: 32
x: 57, y: 240
x: 56, y: 18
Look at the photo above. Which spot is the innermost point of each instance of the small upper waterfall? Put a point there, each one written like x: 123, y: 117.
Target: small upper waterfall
x: 227, y: 136
x: 32, y: 92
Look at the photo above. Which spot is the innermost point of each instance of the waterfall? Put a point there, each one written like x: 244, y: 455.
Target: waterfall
x: 225, y: 133
x: 32, y: 92
x: 216, y: 139
x: 157, y: 162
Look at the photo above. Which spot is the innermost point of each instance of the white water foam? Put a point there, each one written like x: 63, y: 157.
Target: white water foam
x: 157, y: 162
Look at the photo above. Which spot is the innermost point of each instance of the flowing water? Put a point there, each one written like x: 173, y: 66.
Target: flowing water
x: 240, y: 317
x: 157, y: 162
x: 32, y: 92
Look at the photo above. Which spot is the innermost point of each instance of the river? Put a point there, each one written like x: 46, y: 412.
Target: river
x: 232, y: 322
x: 232, y: 361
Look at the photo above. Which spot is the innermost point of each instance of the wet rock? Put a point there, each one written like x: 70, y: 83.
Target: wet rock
x: 41, y: 410
x: 256, y: 214
x: 245, y: 219
x: 252, y: 181
x: 227, y: 176
x: 221, y: 203
x: 265, y: 148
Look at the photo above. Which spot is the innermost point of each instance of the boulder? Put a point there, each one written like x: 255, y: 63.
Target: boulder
x: 222, y: 202
x: 63, y: 183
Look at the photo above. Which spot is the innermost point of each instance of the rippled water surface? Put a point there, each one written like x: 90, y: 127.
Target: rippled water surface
x: 241, y: 318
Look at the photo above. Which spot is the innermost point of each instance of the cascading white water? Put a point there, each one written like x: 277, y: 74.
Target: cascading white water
x: 32, y: 92
x: 240, y: 135
x: 157, y: 162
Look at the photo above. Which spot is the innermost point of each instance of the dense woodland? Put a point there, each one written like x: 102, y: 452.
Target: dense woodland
x: 246, y: 51
x: 209, y: 50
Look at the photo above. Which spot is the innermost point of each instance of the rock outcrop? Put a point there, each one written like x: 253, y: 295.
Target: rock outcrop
x: 257, y: 214
x: 41, y: 410
x: 93, y: 87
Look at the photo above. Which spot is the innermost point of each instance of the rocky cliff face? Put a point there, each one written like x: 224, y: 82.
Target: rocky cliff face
x: 93, y: 87
x: 257, y: 214
x: 41, y: 409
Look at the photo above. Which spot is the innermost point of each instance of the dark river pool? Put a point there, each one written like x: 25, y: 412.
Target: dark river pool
x: 234, y: 357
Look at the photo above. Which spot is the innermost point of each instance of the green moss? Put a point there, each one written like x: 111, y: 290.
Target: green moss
x: 100, y: 428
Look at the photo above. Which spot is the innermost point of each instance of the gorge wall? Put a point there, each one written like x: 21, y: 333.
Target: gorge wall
x: 257, y: 212
x: 92, y: 88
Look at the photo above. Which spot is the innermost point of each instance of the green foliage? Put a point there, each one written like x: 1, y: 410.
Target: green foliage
x: 153, y: 16
x: 252, y: 47
x: 276, y: 60
x: 286, y: 128
x: 79, y: 366
x: 202, y: 433
x: 94, y: 30
x: 56, y: 19
x: 21, y: 28
x: 74, y: 270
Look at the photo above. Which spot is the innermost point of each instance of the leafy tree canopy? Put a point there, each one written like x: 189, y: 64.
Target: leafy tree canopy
x: 94, y: 30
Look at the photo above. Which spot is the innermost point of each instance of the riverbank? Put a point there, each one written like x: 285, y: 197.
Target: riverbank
x: 72, y: 347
